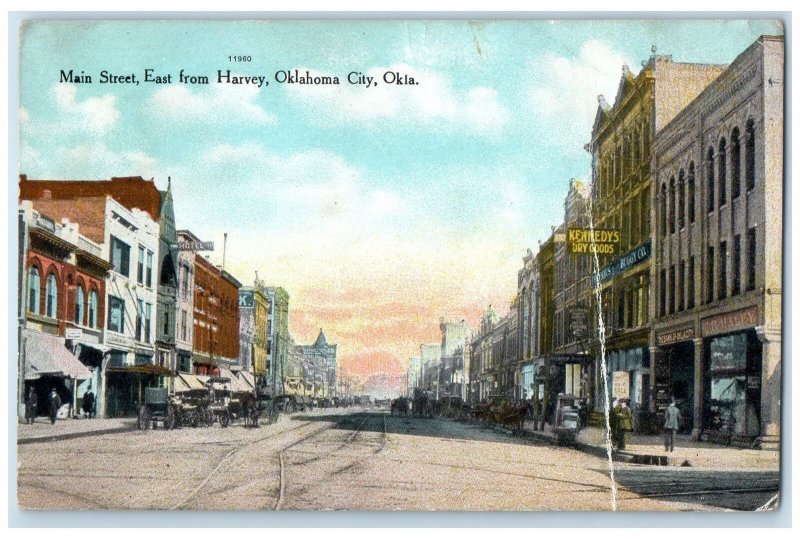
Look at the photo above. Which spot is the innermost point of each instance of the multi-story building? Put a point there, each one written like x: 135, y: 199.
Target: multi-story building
x: 278, y: 339
x: 62, y: 295
x: 414, y: 375
x: 321, y: 358
x: 216, y: 319
x: 717, y: 252
x: 454, y: 371
x: 253, y: 311
x: 131, y: 364
x: 621, y: 149
x: 528, y: 314
x: 430, y: 356
x: 184, y: 334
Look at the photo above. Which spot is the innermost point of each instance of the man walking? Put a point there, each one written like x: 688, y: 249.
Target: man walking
x: 88, y: 404
x: 31, y: 406
x: 624, y: 423
x: 672, y: 422
x: 55, y: 404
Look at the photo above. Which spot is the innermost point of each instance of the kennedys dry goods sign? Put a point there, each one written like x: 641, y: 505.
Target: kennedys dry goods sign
x: 587, y: 240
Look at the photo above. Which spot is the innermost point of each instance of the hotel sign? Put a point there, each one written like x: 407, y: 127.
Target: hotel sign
x: 583, y: 241
x: 194, y: 246
x: 723, y: 323
x: 630, y: 259
x: 675, y: 336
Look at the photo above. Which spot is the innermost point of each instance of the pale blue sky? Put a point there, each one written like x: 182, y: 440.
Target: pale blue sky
x: 447, y: 182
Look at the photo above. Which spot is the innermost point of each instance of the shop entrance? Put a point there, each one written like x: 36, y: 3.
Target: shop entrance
x: 680, y: 358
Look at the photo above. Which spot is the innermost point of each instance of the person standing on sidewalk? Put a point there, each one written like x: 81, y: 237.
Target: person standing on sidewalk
x: 55, y: 404
x: 672, y: 422
x: 88, y: 404
x: 624, y: 423
x: 31, y: 406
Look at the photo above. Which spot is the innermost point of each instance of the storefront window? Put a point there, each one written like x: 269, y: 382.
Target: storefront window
x: 732, y: 406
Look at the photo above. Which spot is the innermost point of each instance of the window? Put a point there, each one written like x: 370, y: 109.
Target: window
x: 736, y: 165
x: 710, y: 275
x: 681, y: 271
x: 722, y: 173
x: 681, y: 200
x: 751, y: 259
x: 691, y: 193
x: 690, y: 285
x: 710, y: 175
x: 140, y: 266
x: 672, y: 289
x: 139, y: 319
x: 663, y: 209
x: 166, y: 322
x: 149, y: 280
x: 51, y: 296
x: 93, y: 309
x: 79, y: 299
x: 723, y: 270
x: 148, y: 312
x: 183, y: 324
x: 736, y: 285
x: 672, y: 205
x: 120, y: 256
x: 750, y: 154
x: 663, y: 287
x: 116, y: 314
x: 34, y: 290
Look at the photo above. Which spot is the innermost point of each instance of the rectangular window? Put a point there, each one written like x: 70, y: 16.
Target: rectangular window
x: 148, y: 313
x: 672, y: 289
x: 120, y: 256
x: 139, y: 319
x: 140, y: 266
x: 681, y: 271
x: 751, y: 259
x: 691, y: 196
x: 723, y: 270
x: 690, y: 285
x: 736, y: 285
x: 663, y: 287
x: 149, y: 280
x: 710, y: 275
x: 116, y: 314
x: 183, y: 325
x: 166, y: 322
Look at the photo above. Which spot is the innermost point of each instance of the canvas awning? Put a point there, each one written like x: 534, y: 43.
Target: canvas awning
x: 46, y: 354
x: 236, y: 385
x: 248, y: 378
x: 189, y: 382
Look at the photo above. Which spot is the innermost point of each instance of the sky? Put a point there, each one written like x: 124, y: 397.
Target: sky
x: 378, y: 209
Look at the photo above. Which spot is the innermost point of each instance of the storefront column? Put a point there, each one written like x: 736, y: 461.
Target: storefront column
x: 699, y: 359
x: 770, y: 387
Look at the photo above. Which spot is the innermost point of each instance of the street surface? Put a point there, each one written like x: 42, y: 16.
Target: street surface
x: 359, y: 460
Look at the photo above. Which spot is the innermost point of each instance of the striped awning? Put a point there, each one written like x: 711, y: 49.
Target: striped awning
x: 47, y: 354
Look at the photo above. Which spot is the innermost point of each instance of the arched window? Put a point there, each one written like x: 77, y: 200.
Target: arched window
x: 637, y: 146
x: 691, y: 192
x: 736, y: 165
x: 34, y: 290
x: 710, y: 175
x: 79, y: 299
x: 723, y: 171
x: 663, y: 209
x: 681, y: 200
x: 750, y: 154
x: 51, y: 296
x: 672, y: 205
x: 93, y: 309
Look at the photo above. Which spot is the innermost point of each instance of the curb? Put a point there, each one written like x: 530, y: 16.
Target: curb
x: 72, y: 435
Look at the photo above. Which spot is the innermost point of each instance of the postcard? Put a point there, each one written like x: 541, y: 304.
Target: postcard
x: 414, y: 265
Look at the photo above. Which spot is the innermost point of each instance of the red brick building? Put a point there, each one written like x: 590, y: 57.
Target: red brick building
x: 216, y: 318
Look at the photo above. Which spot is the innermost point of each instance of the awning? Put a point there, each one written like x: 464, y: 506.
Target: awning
x: 145, y: 368
x: 248, y: 377
x: 188, y: 382
x: 631, y: 359
x: 236, y: 385
x: 46, y: 354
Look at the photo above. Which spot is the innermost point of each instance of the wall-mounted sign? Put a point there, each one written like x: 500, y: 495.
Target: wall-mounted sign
x: 628, y: 260
x: 194, y: 246
x: 724, y: 323
x: 73, y: 333
x: 587, y: 240
x: 578, y: 321
x: 664, y: 339
x: 246, y: 299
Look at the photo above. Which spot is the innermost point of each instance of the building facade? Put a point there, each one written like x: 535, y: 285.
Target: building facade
x: 184, y: 333
x: 254, y: 313
x: 320, y: 358
x: 718, y: 172
x: 216, y: 319
x: 278, y: 339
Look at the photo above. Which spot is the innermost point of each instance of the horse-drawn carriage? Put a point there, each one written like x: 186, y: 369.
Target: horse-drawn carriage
x: 399, y: 406
x: 502, y: 411
x: 157, y: 408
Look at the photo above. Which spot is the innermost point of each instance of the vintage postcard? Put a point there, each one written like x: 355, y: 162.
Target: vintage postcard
x: 415, y: 265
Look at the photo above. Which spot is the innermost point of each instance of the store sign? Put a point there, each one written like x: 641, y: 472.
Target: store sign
x: 623, y: 263
x: 118, y: 340
x: 583, y: 241
x: 664, y: 339
x: 246, y: 299
x: 578, y: 321
x: 73, y: 333
x: 724, y: 323
x: 621, y: 385
x: 195, y: 246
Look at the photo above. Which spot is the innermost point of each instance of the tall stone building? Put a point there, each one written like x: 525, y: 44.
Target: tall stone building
x: 717, y: 253
x: 253, y: 318
x: 278, y: 339
x: 321, y: 357
x: 621, y: 148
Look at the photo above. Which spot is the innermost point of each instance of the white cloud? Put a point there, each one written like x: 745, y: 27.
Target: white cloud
x: 432, y: 103
x: 90, y: 160
x: 564, y: 92
x: 220, y: 103
x: 97, y: 115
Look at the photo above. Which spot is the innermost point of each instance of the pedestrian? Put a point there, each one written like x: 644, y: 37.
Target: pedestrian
x: 624, y: 423
x: 613, y: 423
x: 55, y: 404
x: 672, y: 422
x: 88, y: 404
x: 31, y: 406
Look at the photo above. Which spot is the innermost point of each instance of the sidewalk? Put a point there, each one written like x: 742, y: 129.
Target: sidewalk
x: 687, y: 452
x: 64, y: 429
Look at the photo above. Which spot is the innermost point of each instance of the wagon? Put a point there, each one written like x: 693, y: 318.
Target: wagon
x: 157, y: 408
x: 218, y: 408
